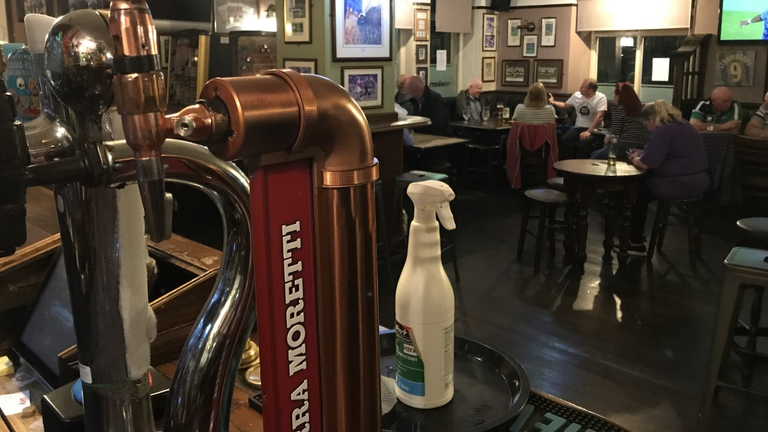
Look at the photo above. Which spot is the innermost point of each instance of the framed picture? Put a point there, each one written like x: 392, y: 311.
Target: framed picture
x: 305, y: 66
x: 549, y: 73
x: 515, y: 73
x: 298, y: 22
x: 362, y: 30
x: 489, y: 69
x: 164, y: 45
x: 489, y: 32
x: 513, y: 33
x: 548, y: 27
x: 24, y: 7
x: 530, y: 45
x: 423, y: 73
x: 364, y: 84
x: 421, y: 54
x: 421, y: 25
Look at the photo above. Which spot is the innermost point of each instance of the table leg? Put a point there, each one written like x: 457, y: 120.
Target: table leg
x: 629, y: 196
x: 585, y: 196
x: 610, y: 224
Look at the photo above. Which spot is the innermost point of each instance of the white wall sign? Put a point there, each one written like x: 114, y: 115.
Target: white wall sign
x: 660, y: 71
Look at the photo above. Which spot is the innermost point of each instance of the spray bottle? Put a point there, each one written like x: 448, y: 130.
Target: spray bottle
x: 424, y: 304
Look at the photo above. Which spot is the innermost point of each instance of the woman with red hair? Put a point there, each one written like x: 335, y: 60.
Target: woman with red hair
x: 626, y: 124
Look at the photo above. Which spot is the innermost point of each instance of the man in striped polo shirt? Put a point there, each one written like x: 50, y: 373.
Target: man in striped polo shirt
x: 719, y: 113
x: 758, y: 125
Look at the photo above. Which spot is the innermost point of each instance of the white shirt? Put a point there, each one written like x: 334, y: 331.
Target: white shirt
x: 586, y: 109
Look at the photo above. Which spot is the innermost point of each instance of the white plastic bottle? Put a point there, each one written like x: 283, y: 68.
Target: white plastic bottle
x: 424, y: 304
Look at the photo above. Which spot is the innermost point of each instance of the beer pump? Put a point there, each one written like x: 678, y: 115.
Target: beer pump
x: 309, y: 153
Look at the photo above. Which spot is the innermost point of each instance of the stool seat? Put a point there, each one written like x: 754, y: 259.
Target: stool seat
x: 754, y: 230
x: 549, y: 196
x: 556, y: 183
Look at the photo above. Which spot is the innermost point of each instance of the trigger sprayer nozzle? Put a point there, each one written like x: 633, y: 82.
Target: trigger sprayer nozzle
x: 429, y: 198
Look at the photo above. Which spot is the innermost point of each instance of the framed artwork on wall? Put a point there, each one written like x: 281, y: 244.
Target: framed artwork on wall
x: 423, y: 73
x: 548, y: 31
x: 364, y: 84
x: 164, y: 45
x: 24, y: 7
x: 530, y: 45
x: 515, y: 73
x: 421, y: 25
x: 549, y: 73
x: 489, y: 69
x: 298, y: 22
x: 421, y: 54
x: 489, y: 32
x: 362, y: 30
x: 307, y: 66
x: 513, y: 33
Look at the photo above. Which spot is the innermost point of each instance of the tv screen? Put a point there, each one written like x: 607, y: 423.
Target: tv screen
x: 743, y: 21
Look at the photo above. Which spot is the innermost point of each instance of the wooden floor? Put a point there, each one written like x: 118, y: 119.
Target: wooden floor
x: 631, y: 345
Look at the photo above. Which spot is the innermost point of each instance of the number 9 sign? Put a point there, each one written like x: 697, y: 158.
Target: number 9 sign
x: 735, y: 68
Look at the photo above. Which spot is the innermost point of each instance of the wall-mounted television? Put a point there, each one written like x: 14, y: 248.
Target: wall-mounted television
x: 743, y: 21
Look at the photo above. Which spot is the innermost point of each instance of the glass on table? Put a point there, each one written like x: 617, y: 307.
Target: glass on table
x: 465, y: 114
x: 486, y: 114
x: 613, y: 143
x: 499, y: 109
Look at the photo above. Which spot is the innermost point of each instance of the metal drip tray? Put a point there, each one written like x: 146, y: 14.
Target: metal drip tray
x: 490, y: 390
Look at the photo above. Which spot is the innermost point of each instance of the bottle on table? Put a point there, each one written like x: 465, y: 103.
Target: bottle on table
x: 424, y: 304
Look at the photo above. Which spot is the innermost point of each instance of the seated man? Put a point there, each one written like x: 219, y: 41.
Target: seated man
x: 758, y: 125
x: 719, y: 113
x: 470, y: 98
x: 590, y: 106
x: 428, y: 103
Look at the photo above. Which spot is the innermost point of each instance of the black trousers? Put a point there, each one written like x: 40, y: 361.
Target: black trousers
x: 640, y: 212
x: 573, y: 147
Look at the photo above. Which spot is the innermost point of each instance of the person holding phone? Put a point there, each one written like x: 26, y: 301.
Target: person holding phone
x: 676, y: 163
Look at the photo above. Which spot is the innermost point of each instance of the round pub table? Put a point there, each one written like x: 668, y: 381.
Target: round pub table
x: 582, y: 177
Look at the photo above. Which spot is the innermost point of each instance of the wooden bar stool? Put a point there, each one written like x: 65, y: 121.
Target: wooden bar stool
x: 753, y: 232
x: 482, y: 159
x: 549, y: 200
x: 744, y: 267
x: 687, y: 218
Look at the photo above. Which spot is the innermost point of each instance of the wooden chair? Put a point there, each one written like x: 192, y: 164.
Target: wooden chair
x: 752, y: 169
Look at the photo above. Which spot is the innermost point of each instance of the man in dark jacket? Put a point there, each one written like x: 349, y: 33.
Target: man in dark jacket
x: 470, y: 98
x: 428, y: 103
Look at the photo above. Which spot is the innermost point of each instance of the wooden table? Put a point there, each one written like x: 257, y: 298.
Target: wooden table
x: 494, y: 124
x: 423, y: 141
x: 582, y: 177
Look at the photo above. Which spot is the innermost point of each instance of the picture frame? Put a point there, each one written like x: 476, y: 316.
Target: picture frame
x: 489, y: 32
x: 362, y: 34
x: 421, y: 25
x: 515, y: 73
x: 305, y: 66
x: 164, y: 45
x: 422, y: 54
x: 530, y: 45
x: 423, y: 73
x: 297, y: 21
x: 232, y: 16
x: 364, y: 84
x: 548, y: 31
x: 549, y: 73
x: 489, y: 69
x: 513, y: 32
x: 24, y: 7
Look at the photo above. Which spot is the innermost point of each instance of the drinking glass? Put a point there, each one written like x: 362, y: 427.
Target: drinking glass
x: 486, y: 114
x: 465, y: 114
x: 499, y: 108
x: 612, y: 148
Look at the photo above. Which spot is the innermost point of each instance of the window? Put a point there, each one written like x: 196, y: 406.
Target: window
x: 658, y: 47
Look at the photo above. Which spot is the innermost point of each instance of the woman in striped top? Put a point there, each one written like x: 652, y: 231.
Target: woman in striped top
x: 626, y: 123
x: 535, y: 110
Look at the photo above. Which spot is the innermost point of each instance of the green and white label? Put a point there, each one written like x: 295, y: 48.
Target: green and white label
x: 410, y: 366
